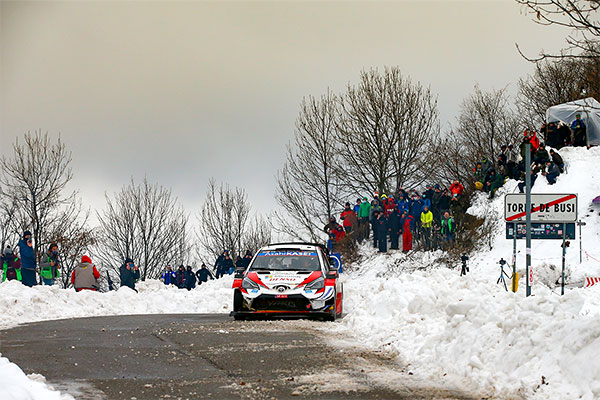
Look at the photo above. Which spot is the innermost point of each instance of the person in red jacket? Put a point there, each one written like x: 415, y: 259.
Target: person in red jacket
x: 407, y: 235
x: 456, y: 188
x: 85, y: 276
x: 347, y: 217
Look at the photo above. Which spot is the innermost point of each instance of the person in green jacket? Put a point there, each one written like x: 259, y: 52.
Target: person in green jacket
x: 364, y: 212
x: 496, y: 181
x: 11, y: 266
x: 49, y: 266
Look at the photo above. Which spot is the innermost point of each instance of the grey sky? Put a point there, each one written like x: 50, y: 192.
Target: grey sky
x: 182, y: 92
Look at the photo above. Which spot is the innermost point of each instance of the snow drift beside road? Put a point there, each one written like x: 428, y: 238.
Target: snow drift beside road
x: 21, y: 305
x: 15, y: 385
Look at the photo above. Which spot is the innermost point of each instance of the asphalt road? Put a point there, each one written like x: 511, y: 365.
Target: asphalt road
x: 208, y: 356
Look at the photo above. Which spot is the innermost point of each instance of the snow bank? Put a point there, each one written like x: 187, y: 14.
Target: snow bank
x: 470, y: 329
x: 19, y: 304
x: 15, y: 385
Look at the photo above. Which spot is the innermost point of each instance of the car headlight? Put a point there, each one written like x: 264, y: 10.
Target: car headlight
x: 248, y: 283
x: 317, y: 284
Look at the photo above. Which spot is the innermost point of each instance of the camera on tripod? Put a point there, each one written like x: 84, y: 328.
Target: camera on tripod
x: 502, y: 262
x: 464, y: 269
x: 464, y: 258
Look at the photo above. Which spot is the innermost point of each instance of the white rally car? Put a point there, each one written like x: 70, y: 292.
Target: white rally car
x: 288, y: 279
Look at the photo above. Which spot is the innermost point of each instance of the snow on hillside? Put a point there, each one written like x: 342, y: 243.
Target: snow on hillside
x: 469, y: 329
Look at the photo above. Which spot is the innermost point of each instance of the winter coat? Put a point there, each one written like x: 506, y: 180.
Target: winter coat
x: 128, y: 276
x: 364, y: 210
x: 11, y: 268
x: 557, y: 159
x: 27, y: 255
x: 416, y: 207
x: 425, y: 202
x: 246, y: 260
x: 346, y: 217
x: 47, y: 270
x: 190, y: 279
x: 402, y: 205
x: 511, y: 155
x: 168, y: 277
x: 426, y: 219
x: 389, y: 205
x: 448, y: 225
x: 180, y: 276
x: 203, y: 274
x: 444, y: 203
x: 382, y: 226
x: 456, y: 189
x: 553, y: 170
x: 85, y: 276
x: 407, y: 235
x: 394, y: 221
x: 496, y: 182
x: 541, y: 156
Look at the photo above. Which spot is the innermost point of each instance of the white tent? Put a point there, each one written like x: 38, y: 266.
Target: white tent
x: 590, y: 114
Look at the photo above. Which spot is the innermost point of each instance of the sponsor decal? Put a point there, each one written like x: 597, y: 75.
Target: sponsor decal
x: 286, y: 253
x: 281, y: 296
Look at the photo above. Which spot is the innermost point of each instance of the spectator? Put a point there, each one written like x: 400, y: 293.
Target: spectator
x: 557, y: 159
x: 228, y: 266
x: 356, y: 207
x: 388, y: 205
x: 239, y: 263
x: 220, y: 263
x: 85, y: 276
x: 394, y: 228
x: 406, y: 234
x: 496, y: 181
x: 579, y: 131
x: 190, y: 278
x: 541, y: 156
x: 180, y: 276
x: 11, y: 265
x: 382, y: 229
x: 551, y: 173
x: 426, y: 224
x: 247, y: 258
x: 346, y: 217
x: 168, y: 277
x: 28, y: 264
x: 456, y: 189
x: 565, y: 136
x: 203, y: 274
x: 129, y: 274
x: 448, y: 228
x: 444, y: 202
x: 521, y: 184
x: 49, y: 268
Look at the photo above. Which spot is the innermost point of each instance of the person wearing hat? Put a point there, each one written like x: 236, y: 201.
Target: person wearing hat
x: 511, y: 161
x: 49, y: 267
x: 85, y: 276
x: 129, y: 273
x: 190, y: 278
x: 347, y: 216
x: 579, y: 131
x: 551, y: 173
x: 28, y: 264
x: 168, y: 277
x: 11, y: 265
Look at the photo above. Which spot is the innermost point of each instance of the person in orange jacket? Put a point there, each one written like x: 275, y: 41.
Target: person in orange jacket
x: 85, y: 275
x: 456, y: 188
x: 347, y: 217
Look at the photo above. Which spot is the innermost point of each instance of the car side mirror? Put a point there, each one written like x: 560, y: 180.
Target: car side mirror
x: 331, y: 261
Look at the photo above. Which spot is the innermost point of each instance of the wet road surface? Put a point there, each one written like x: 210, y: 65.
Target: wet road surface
x: 207, y: 356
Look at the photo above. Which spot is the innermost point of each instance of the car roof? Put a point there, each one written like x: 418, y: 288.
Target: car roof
x: 291, y: 246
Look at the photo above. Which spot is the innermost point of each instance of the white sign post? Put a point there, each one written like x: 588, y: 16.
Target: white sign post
x: 544, y: 207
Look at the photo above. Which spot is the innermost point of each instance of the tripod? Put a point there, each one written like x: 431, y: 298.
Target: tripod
x: 502, y: 275
x: 464, y: 269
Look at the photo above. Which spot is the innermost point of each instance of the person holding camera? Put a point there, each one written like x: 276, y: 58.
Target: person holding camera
x: 49, y: 268
x: 129, y: 274
x: 28, y: 264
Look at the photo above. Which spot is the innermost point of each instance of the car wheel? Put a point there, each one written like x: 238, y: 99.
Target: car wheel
x: 238, y: 301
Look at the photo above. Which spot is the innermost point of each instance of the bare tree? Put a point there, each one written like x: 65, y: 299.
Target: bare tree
x: 311, y: 184
x: 35, y: 178
x: 146, y: 223
x: 579, y: 16
x: 386, y: 129
x: 257, y: 234
x: 223, y: 220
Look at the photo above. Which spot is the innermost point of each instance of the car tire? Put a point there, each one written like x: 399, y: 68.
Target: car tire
x: 238, y: 301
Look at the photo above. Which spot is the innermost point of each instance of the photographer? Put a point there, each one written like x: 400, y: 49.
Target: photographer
x: 85, y: 275
x: 49, y: 268
x: 129, y: 274
x: 28, y: 264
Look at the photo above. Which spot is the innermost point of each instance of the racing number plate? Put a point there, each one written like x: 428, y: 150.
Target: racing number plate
x: 281, y: 296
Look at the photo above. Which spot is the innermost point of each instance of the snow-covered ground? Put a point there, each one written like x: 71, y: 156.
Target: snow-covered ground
x: 467, y: 329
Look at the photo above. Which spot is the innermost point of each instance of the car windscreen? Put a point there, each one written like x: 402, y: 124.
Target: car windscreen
x: 296, y: 260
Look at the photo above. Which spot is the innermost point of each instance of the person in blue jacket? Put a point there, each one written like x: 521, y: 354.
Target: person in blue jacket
x: 168, y: 277
x: 28, y: 264
x: 579, y: 132
x: 204, y: 274
x: 415, y: 210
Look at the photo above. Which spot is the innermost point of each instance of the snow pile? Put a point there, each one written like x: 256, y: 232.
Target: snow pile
x: 15, y: 385
x: 19, y: 304
x: 470, y: 329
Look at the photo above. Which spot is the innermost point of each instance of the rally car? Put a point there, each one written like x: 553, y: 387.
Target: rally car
x: 288, y: 279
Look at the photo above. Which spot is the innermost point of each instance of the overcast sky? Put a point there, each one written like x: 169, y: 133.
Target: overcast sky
x: 181, y: 92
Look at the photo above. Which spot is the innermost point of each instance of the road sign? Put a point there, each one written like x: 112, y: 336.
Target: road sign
x: 544, y: 207
x: 541, y: 231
